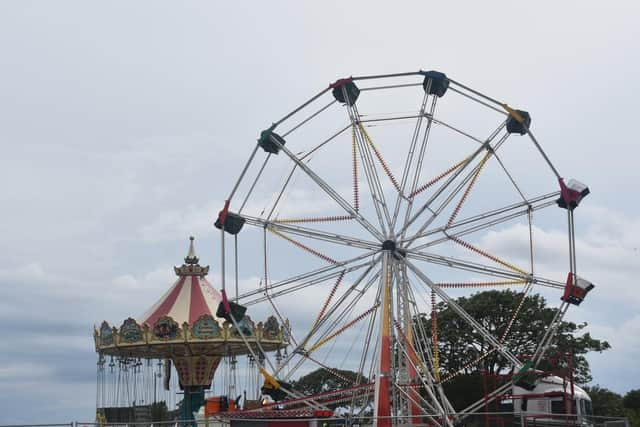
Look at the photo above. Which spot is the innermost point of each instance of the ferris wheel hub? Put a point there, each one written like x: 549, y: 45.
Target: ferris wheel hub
x: 389, y: 245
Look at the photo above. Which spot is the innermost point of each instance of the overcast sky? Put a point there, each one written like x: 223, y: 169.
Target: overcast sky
x: 123, y: 125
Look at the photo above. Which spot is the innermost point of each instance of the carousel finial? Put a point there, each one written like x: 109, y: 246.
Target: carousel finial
x: 191, y: 266
x: 191, y: 256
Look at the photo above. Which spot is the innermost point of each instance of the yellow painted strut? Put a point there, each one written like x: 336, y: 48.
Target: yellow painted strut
x: 513, y: 113
x: 269, y: 379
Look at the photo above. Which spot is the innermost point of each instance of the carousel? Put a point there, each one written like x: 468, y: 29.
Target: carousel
x: 176, y: 347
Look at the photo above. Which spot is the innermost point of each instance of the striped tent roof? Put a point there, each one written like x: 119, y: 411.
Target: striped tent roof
x: 190, y: 297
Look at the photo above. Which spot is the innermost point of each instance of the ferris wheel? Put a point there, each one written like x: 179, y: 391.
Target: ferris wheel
x: 373, y: 202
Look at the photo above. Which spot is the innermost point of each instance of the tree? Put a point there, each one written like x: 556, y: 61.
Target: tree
x: 606, y: 403
x: 459, y: 345
x: 631, y: 400
x: 322, y: 380
x: 464, y: 390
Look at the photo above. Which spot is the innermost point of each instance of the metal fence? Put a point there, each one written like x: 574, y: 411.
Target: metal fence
x: 490, y: 419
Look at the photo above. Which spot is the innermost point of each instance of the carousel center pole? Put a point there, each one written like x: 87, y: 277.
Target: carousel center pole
x: 193, y: 401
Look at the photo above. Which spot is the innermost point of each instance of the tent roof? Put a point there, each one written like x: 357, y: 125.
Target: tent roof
x: 189, y: 297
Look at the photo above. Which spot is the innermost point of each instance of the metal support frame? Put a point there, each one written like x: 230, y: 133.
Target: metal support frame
x: 408, y: 228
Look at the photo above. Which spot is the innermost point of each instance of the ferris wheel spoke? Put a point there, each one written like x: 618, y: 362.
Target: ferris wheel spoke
x: 317, y: 275
x: 490, y: 397
x: 306, y: 158
x: 434, y: 404
x: 510, y: 275
x: 364, y: 144
x: 412, y: 357
x: 330, y: 191
x: 308, y: 154
x: 455, y: 263
x: 342, y: 314
x: 511, y: 113
x: 290, y: 228
x: 419, y: 163
x: 410, y: 155
x: 427, y: 205
x: 476, y: 250
x: 508, y: 174
x: 353, y: 289
x: 465, y: 316
x: 373, y: 182
x: 457, y: 130
x: 467, y: 182
x: 370, y: 334
x: 421, y: 403
x: 412, y: 147
x: 552, y: 328
x: 373, y: 149
x: 485, y: 220
x: 340, y: 323
x: 324, y: 317
x: 360, y: 144
x: 423, y: 340
x: 298, y: 286
x: 322, y: 341
x: 488, y: 223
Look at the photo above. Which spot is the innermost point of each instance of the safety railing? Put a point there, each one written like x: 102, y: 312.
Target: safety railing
x: 484, y: 419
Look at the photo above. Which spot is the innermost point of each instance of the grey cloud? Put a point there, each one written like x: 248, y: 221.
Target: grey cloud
x: 122, y: 127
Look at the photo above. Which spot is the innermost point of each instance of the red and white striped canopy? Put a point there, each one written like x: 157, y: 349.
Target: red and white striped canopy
x: 190, y: 297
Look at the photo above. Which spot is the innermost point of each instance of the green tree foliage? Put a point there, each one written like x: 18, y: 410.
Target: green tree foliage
x: 322, y: 380
x: 631, y: 402
x: 606, y: 403
x: 464, y: 390
x: 460, y: 345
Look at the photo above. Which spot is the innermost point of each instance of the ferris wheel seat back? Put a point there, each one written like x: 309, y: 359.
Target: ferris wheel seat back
x: 276, y: 393
x: 227, y: 308
x: 233, y: 222
x: 519, y: 123
x: 576, y: 290
x: 269, y: 141
x: 345, y: 91
x: 526, y: 377
x: 571, y: 194
x: 439, y: 83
